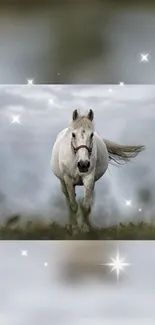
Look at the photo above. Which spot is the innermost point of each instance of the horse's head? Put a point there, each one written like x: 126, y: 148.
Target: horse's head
x: 82, y: 132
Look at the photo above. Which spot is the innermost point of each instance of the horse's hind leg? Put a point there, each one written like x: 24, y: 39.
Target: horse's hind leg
x: 72, y: 215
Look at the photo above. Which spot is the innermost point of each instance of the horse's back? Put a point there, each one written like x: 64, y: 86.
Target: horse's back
x: 55, y: 154
x: 102, y: 157
x: 61, y: 135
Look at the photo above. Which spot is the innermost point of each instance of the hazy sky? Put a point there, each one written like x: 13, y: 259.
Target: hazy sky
x: 32, y: 293
x: 125, y: 115
x: 104, y: 48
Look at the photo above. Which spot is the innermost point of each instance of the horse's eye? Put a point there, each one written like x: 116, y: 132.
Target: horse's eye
x: 73, y: 135
x: 92, y: 134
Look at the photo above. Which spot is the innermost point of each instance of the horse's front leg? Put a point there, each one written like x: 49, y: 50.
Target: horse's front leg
x: 88, y: 199
x: 69, y: 191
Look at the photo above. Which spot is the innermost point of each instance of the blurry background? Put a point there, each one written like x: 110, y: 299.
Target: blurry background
x: 34, y: 290
x: 73, y: 42
x: 76, y: 41
x: 124, y: 114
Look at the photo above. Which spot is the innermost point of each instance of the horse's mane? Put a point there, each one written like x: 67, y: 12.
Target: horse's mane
x: 82, y: 121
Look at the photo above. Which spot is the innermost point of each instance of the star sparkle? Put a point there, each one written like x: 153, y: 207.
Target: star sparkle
x: 110, y: 90
x: 45, y: 264
x: 30, y: 82
x: 121, y: 83
x: 15, y: 119
x: 144, y: 57
x: 117, y: 264
x: 50, y: 101
x: 23, y: 252
x: 128, y: 203
x: 140, y: 210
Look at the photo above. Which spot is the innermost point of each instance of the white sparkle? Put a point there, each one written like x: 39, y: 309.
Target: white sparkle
x: 128, y: 203
x: 50, y: 101
x: 121, y: 83
x: 144, y: 57
x: 15, y: 119
x: 30, y: 82
x: 45, y: 264
x: 140, y: 210
x: 117, y: 264
x: 23, y: 253
x: 58, y: 73
x: 110, y: 90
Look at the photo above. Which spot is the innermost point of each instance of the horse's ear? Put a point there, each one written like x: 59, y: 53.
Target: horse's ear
x: 90, y: 115
x: 75, y: 115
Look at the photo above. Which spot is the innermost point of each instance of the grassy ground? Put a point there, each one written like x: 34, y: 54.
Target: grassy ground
x: 14, y: 229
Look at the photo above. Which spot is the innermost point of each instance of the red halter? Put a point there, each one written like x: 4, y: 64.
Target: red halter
x: 82, y: 146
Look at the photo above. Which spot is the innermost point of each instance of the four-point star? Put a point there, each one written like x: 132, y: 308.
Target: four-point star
x: 30, y: 82
x: 23, y: 253
x: 128, y: 203
x: 144, y: 57
x: 117, y: 264
x: 15, y: 119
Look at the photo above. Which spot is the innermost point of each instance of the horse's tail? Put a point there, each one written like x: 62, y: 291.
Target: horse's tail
x: 122, y: 154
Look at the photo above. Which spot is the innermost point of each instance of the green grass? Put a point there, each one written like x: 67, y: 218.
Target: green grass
x: 16, y: 229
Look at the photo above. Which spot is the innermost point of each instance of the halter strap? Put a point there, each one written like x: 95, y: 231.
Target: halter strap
x: 82, y: 146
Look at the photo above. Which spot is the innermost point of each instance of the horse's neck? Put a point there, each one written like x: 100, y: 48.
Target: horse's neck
x: 63, y: 133
x: 65, y: 130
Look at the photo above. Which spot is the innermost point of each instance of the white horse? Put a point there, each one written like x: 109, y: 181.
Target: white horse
x: 81, y: 157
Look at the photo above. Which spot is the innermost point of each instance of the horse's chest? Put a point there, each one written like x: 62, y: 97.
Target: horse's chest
x: 78, y: 180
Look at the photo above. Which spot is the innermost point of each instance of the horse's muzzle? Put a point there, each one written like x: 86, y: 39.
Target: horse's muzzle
x: 83, y: 166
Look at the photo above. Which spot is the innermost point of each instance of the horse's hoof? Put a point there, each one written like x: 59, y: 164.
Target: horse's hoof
x: 75, y: 230
x: 69, y: 228
x: 85, y: 228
